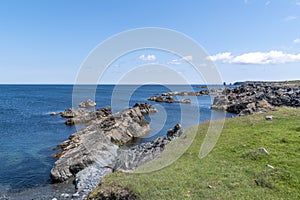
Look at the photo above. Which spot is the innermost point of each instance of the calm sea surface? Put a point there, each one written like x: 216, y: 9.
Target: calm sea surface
x: 28, y: 133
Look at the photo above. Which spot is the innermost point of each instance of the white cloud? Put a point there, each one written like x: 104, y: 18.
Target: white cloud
x: 187, y: 58
x: 297, y: 41
x: 257, y: 58
x: 224, y: 57
x: 290, y: 18
x: 298, y: 3
x: 150, y: 57
x: 268, y: 3
x: 174, y: 62
x: 178, y: 61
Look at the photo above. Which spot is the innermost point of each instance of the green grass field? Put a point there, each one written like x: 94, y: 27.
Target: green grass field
x: 235, y: 168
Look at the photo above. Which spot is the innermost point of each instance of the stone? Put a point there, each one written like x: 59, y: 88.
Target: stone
x: 146, y: 108
x: 75, y: 194
x: 185, y: 101
x: 87, y: 104
x: 64, y: 195
x: 269, y: 166
x: 55, y: 113
x: 269, y: 117
x: 71, y: 112
x: 263, y: 150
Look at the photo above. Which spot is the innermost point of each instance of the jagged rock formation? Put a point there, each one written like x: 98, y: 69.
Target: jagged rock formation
x: 257, y: 98
x: 146, y: 108
x: 85, y: 116
x: 138, y: 155
x: 97, y: 143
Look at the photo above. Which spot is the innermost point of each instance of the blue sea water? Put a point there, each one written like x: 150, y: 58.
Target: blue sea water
x: 28, y: 132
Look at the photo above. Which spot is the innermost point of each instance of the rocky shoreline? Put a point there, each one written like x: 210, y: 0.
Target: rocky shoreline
x: 261, y: 97
x: 95, y: 151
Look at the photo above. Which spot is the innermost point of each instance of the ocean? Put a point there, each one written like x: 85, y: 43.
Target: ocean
x: 28, y: 132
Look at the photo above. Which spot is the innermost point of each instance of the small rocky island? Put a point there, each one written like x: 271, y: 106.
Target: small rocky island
x: 168, y: 97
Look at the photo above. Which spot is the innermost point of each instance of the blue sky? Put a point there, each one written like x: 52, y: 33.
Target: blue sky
x: 47, y: 41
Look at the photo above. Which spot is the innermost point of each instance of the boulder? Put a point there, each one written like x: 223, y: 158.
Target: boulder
x: 146, y: 108
x: 71, y: 112
x: 185, y: 101
x: 87, y: 104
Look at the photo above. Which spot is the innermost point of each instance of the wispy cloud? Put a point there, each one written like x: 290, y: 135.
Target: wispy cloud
x: 290, y: 18
x: 187, y: 58
x: 150, y: 57
x: 298, y: 3
x: 267, y: 3
x: 296, y: 41
x: 256, y: 58
x: 174, y: 62
x: 179, y: 61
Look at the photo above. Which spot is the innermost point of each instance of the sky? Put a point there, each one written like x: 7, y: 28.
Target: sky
x: 47, y: 41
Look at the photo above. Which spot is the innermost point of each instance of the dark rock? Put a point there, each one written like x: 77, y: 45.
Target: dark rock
x: 88, y: 116
x: 185, y: 101
x: 138, y: 155
x: 71, y: 112
x: 146, y: 108
x: 251, y: 98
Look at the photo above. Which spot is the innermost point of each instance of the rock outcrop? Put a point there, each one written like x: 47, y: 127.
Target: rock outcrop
x: 87, y: 104
x: 198, y: 93
x: 98, y: 143
x: 257, y: 98
x: 138, y: 155
x: 72, y: 112
x: 146, y: 108
x: 86, y: 116
x: 168, y: 99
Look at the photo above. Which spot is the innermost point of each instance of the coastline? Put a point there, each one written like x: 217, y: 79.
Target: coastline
x: 289, y: 96
x: 74, y: 192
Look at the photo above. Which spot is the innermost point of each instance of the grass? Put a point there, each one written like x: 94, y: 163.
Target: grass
x: 234, y: 169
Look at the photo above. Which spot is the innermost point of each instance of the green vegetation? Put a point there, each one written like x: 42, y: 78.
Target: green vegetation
x: 235, y: 169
